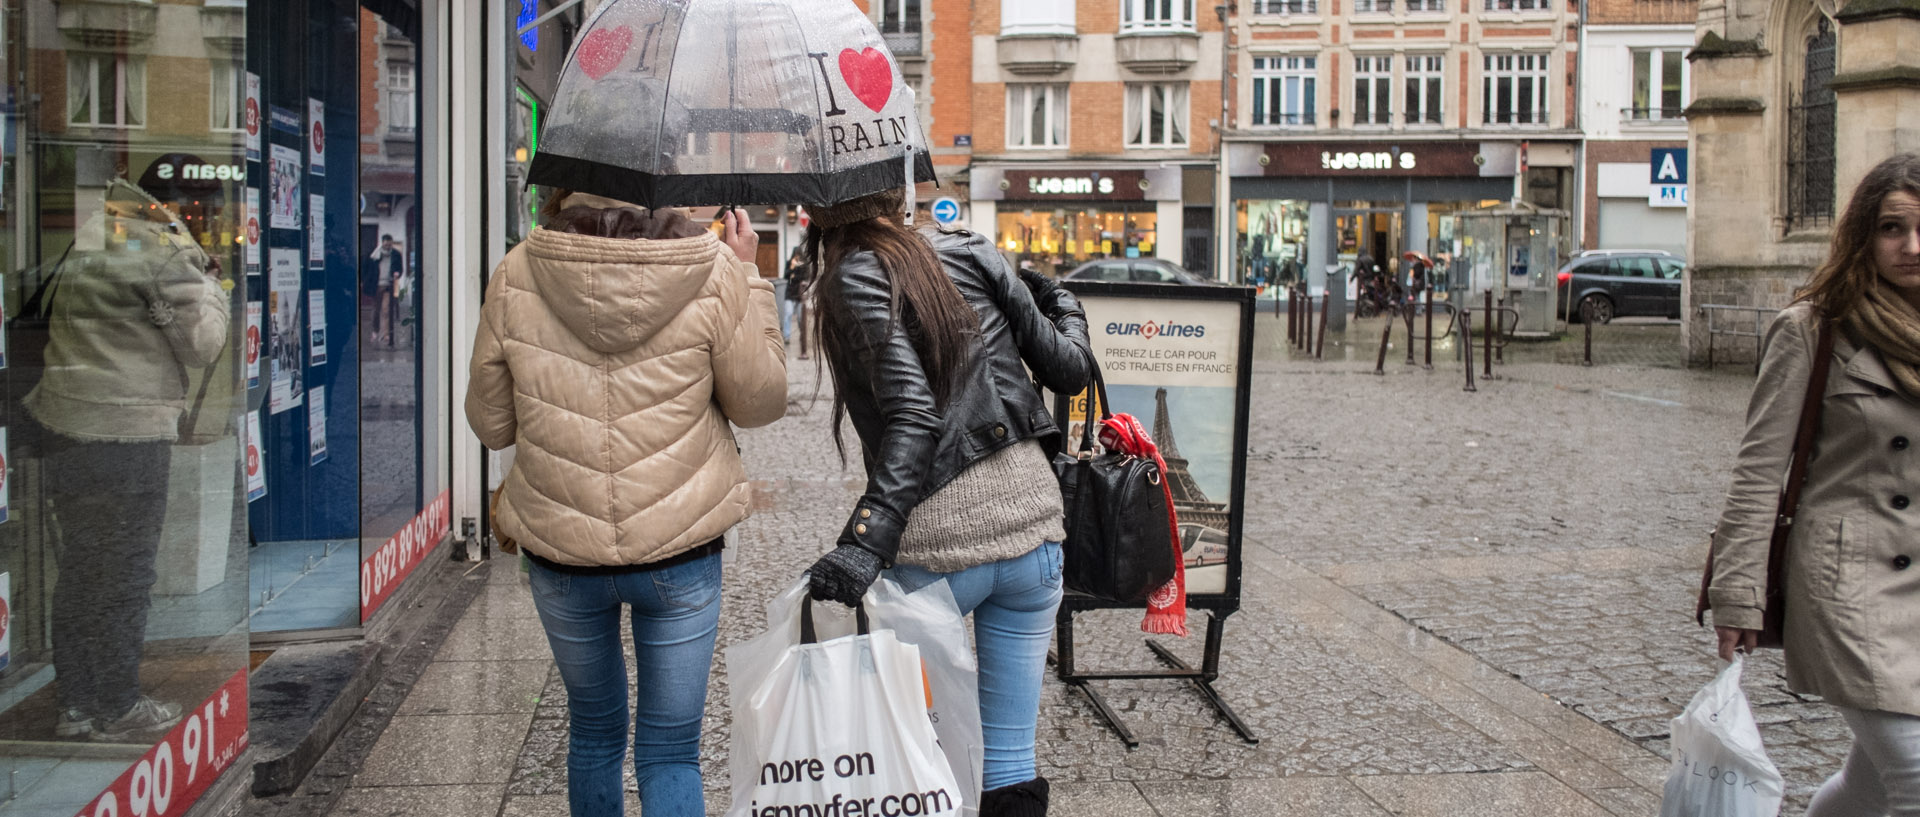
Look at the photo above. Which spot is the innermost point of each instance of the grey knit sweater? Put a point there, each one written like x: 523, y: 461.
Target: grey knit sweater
x: 999, y: 508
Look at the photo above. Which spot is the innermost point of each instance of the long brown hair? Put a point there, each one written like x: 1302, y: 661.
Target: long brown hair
x: 936, y: 318
x: 1840, y: 283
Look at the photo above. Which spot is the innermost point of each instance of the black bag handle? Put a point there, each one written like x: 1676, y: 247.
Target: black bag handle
x: 1096, y: 399
x: 807, y: 634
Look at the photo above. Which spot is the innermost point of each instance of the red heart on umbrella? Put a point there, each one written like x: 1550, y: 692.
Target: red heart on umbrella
x: 602, y: 49
x: 869, y: 75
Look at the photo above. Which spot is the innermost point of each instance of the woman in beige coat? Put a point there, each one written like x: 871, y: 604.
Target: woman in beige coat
x: 1852, y: 594
x: 617, y: 348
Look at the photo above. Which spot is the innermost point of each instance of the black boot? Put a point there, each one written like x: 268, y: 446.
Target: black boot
x: 1027, y: 799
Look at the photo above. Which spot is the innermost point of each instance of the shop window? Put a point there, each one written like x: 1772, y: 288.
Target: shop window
x: 1283, y: 90
x: 106, y: 90
x: 1036, y: 116
x: 1155, y: 14
x: 1287, y: 7
x: 1659, y: 85
x: 1037, y: 17
x: 1373, y: 6
x: 226, y: 96
x: 1272, y: 246
x: 1156, y: 114
x: 1423, y: 83
x: 1514, y: 89
x: 1373, y: 90
x: 1056, y: 240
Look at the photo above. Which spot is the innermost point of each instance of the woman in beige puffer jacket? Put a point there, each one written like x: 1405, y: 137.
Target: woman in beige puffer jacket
x: 617, y: 348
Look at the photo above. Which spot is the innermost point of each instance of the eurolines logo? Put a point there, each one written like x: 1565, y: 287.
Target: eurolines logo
x: 1151, y: 330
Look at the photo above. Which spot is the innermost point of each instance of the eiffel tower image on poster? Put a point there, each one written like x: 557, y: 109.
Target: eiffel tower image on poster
x: 1189, y: 502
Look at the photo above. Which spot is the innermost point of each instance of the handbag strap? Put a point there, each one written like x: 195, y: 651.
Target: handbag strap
x: 1097, y: 403
x: 1802, y: 443
x: 807, y: 634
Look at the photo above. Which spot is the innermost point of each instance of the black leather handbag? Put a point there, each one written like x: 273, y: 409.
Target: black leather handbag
x: 1118, y: 545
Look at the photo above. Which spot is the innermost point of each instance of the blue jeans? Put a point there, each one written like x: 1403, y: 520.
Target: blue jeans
x: 676, y: 614
x: 1013, y: 602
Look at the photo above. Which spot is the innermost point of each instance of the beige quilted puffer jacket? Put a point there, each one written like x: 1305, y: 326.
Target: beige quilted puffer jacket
x: 616, y: 365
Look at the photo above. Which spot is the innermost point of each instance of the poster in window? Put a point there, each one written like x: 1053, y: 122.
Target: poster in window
x: 316, y: 232
x: 317, y: 136
x: 1173, y: 366
x: 252, y: 116
x: 250, y: 216
x: 317, y: 425
x: 316, y: 327
x: 284, y: 343
x: 256, y: 468
x: 284, y: 189
x: 253, y: 344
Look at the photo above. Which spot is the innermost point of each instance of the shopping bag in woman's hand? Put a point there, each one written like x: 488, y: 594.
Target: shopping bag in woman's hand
x: 825, y: 725
x: 1719, y: 767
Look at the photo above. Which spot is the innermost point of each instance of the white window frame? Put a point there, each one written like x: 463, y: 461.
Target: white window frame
x: 1372, y: 6
x: 1519, y: 5
x: 1286, y: 8
x: 1285, y: 86
x: 886, y: 10
x: 230, y: 76
x: 1656, y: 78
x: 1175, y: 129
x: 1509, y: 68
x: 1020, y: 99
x: 1156, y: 15
x: 1426, y: 6
x: 1372, y: 74
x: 128, y: 104
x: 1037, y: 17
x: 1424, y: 85
x: 402, y: 95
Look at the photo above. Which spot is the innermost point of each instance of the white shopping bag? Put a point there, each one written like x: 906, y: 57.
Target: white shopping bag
x: 1719, y: 767
x: 834, y: 727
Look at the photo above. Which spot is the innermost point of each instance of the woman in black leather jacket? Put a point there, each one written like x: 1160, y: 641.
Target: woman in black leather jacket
x: 930, y: 337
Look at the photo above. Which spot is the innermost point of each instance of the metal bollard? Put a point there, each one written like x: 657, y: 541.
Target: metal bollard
x: 1306, y: 324
x: 1408, y: 309
x: 1586, y: 317
x: 1293, y: 309
x: 1320, y: 348
x: 1486, y: 328
x: 1466, y: 344
x: 1500, y: 332
x: 1429, y: 363
x: 1386, y: 336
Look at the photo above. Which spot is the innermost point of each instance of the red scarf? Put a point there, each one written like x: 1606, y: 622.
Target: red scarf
x: 1167, y: 607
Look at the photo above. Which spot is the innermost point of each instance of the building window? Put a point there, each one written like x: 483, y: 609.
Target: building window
x: 1424, y: 96
x: 1156, y: 114
x: 1517, y: 5
x: 1373, y: 6
x: 1427, y: 5
x: 1037, y: 17
x: 1283, y: 90
x: 106, y: 90
x: 400, y: 96
x: 1659, y: 85
x: 1810, y: 134
x: 1149, y: 14
x: 1373, y: 90
x: 1037, y: 116
x: 1286, y: 7
x: 899, y: 16
x: 226, y: 96
x: 1515, y: 89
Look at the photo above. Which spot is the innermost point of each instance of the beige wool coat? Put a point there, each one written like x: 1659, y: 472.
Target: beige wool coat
x: 1852, y: 591
x: 619, y: 367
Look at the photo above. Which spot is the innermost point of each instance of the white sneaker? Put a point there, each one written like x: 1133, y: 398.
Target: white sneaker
x: 146, y: 720
x: 73, y: 723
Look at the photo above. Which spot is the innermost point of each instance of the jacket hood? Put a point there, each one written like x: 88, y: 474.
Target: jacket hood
x: 615, y: 293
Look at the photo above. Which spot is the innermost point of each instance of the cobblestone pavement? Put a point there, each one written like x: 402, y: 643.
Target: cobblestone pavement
x: 1454, y: 604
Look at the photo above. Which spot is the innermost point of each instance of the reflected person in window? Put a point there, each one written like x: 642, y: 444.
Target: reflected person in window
x: 135, y: 315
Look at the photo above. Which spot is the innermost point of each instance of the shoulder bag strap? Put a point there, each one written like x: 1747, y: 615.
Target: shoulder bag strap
x: 1803, y: 441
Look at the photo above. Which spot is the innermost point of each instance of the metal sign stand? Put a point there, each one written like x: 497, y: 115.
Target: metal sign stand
x: 1218, y: 605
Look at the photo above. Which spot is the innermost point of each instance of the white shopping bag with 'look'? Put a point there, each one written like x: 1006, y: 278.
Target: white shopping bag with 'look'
x: 1719, y: 767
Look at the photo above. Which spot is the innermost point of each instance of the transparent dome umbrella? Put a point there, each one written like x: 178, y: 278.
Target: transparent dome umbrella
x: 673, y: 103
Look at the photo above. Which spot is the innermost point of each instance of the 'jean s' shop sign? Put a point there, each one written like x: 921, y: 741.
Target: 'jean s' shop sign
x: 1359, y: 159
x: 1075, y: 185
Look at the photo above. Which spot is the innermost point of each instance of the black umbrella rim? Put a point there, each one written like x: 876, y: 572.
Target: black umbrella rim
x: 652, y: 190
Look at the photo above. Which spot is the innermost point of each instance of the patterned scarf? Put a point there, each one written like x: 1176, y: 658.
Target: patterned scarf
x: 1887, y: 322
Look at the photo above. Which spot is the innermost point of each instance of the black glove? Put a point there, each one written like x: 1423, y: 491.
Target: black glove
x: 1047, y: 294
x: 843, y: 575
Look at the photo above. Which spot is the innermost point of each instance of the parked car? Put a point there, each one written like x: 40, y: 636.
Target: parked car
x: 1622, y: 283
x: 1137, y: 270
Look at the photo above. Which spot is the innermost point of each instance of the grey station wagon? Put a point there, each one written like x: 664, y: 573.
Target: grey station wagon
x: 1622, y: 283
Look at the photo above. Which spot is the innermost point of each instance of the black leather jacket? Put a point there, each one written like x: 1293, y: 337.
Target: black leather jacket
x: 912, y: 447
